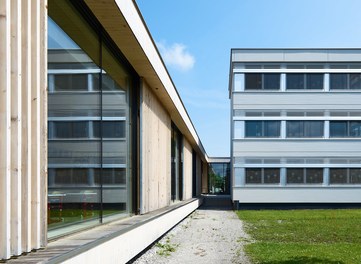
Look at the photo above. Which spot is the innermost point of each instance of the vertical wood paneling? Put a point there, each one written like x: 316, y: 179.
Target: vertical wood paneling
x: 35, y: 119
x: 5, y: 129
x: 26, y: 125
x: 23, y: 124
x: 16, y: 118
x: 156, y: 140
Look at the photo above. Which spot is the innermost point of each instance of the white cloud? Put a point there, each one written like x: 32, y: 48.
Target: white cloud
x: 176, y: 55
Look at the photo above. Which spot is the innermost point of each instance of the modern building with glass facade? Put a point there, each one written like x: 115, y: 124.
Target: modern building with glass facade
x: 92, y: 130
x: 295, y: 126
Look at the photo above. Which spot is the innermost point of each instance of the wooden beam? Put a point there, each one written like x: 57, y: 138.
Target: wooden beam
x: 5, y: 129
x: 35, y: 119
x: 26, y: 124
x: 16, y: 142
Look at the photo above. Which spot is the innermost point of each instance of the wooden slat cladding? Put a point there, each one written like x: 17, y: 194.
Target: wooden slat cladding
x: 23, y: 118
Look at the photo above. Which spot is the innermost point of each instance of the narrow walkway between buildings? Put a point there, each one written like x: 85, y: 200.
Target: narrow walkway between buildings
x: 208, y: 235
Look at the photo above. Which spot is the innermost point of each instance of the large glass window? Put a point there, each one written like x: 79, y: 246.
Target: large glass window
x: 262, y: 128
x: 343, y: 81
x: 262, y: 175
x: 298, y: 129
x: 218, y: 178
x: 304, y: 175
x: 310, y: 81
x: 345, y: 128
x: 262, y: 81
x: 88, y: 117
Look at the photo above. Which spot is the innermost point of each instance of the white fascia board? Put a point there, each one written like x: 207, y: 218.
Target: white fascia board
x: 141, y: 33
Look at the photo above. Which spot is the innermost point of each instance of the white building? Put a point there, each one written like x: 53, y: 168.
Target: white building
x: 296, y: 126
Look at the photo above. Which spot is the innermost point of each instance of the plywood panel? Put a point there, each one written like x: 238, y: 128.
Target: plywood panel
x: 155, y: 152
x: 187, y: 170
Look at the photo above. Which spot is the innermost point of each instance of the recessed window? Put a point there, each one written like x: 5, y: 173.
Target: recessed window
x: 355, y: 176
x: 299, y: 129
x: 110, y: 176
x: 111, y: 129
x: 73, y: 176
x: 262, y: 175
x: 299, y: 81
x: 263, y: 129
x: 343, y: 81
x: 304, y: 176
x: 345, y: 128
x: 71, y: 129
x: 71, y: 82
x: 262, y: 81
x: 339, y: 176
x: 338, y: 81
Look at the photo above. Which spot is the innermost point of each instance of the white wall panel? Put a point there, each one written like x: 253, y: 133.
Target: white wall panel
x: 297, y: 195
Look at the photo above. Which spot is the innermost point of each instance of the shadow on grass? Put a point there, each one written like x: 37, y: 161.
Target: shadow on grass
x: 304, y: 260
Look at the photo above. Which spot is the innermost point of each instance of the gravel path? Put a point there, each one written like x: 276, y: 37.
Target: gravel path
x: 206, y: 236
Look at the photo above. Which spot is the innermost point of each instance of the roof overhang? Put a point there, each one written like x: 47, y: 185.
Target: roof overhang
x: 124, y: 23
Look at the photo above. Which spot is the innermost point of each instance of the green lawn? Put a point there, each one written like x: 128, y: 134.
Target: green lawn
x: 303, y: 236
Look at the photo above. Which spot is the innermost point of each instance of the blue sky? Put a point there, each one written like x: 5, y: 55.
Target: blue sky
x: 195, y: 38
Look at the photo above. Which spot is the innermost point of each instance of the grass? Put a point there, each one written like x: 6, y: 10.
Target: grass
x: 303, y: 236
x: 165, y: 249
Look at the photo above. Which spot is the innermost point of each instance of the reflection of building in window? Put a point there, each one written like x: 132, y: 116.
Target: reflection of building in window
x: 87, y: 134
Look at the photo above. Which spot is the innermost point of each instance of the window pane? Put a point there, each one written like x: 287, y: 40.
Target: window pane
x: 294, y: 129
x: 355, y: 129
x: 271, y: 81
x: 272, y: 176
x: 314, y: 81
x: 338, y: 129
x: 314, y: 175
x: 113, y: 129
x: 272, y: 128
x: 74, y: 198
x: 355, y: 81
x: 254, y: 176
x: 294, y: 176
x: 313, y: 128
x: 80, y: 177
x: 338, y: 81
x: 253, y: 81
x: 71, y: 129
x: 338, y: 176
x: 355, y: 176
x: 253, y: 128
x: 71, y: 82
x: 295, y: 81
